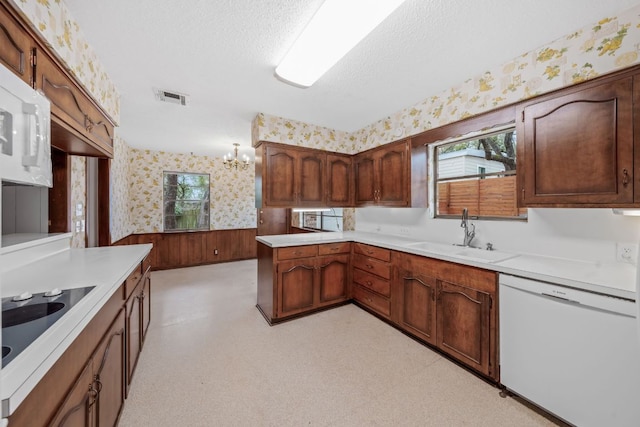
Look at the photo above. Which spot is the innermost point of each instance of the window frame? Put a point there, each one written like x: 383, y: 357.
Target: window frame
x: 205, y: 202
x: 432, y: 149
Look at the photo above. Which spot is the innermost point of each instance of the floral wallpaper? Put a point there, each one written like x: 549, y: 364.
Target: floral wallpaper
x: 232, y: 191
x: 78, y: 200
x: 603, y: 47
x: 52, y: 20
x: 120, y: 223
x: 292, y: 132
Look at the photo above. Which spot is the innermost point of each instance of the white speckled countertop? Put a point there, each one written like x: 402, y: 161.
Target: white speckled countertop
x: 106, y: 268
x: 613, y: 279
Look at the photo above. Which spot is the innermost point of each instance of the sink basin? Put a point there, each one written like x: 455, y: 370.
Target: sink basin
x: 473, y: 254
x: 434, y: 247
x: 20, y: 315
x: 484, y: 256
x: 5, y: 350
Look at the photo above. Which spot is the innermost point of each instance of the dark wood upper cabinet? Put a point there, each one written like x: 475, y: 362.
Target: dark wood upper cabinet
x: 339, y: 185
x: 382, y: 175
x: 577, y: 147
x: 78, y: 126
x: 16, y: 47
x: 291, y: 176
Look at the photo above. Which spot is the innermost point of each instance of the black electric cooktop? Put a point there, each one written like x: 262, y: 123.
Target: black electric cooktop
x: 25, y: 317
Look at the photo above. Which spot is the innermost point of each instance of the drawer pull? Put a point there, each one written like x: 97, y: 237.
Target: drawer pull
x: 335, y: 248
x: 369, y: 266
x: 297, y: 253
x: 369, y: 299
x: 368, y: 283
x: 369, y: 251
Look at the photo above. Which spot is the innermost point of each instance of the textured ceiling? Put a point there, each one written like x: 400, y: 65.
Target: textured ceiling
x: 223, y: 54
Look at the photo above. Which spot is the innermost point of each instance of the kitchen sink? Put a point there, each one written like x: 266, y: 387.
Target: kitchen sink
x: 5, y: 350
x: 20, y: 315
x: 484, y: 256
x: 472, y: 254
x: 442, y: 248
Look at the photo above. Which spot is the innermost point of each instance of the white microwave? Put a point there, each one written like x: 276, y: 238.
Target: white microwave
x: 25, y: 132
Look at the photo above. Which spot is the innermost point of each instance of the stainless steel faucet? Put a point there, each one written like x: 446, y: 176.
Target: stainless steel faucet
x: 469, y: 234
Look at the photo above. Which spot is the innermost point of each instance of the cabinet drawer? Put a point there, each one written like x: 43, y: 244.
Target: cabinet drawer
x: 374, y: 301
x: 132, y: 281
x: 146, y: 264
x: 334, y: 248
x: 297, y: 252
x: 372, y: 251
x: 371, y: 265
x: 371, y: 282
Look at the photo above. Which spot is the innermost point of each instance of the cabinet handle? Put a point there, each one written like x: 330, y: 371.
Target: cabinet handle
x: 369, y: 266
x: 368, y: 283
x: 625, y: 177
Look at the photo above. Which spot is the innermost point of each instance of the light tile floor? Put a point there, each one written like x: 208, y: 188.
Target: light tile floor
x: 210, y: 359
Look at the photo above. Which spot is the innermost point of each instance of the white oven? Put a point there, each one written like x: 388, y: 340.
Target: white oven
x: 25, y: 134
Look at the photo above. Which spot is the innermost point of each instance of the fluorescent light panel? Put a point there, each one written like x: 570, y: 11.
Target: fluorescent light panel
x: 333, y: 31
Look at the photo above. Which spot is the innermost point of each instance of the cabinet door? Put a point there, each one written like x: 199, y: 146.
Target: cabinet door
x: 280, y: 177
x: 15, y: 47
x: 392, y: 175
x: 169, y: 250
x: 109, y: 373
x: 365, y: 185
x: 333, y: 279
x: 77, y: 409
x: 145, y: 303
x: 418, y: 304
x: 578, y: 149
x: 310, y: 191
x: 133, y: 333
x: 295, y: 286
x: 72, y: 110
x: 463, y: 330
x: 339, y: 181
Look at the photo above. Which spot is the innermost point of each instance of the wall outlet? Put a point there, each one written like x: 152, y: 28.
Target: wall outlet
x: 404, y: 230
x: 626, y: 252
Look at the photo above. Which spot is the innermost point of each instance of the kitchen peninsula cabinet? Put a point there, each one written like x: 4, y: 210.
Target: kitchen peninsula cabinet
x: 578, y: 146
x: 450, y: 306
x: 301, y: 279
x: 372, y: 271
x: 382, y: 175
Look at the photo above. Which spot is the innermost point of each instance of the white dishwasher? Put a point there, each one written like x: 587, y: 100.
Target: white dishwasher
x: 574, y: 353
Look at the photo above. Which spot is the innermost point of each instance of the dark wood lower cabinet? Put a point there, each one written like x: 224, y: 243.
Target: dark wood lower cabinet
x: 76, y: 411
x: 451, y: 307
x: 417, y: 300
x: 97, y: 397
x: 297, y: 280
x: 88, y: 384
x: 464, y: 325
x: 109, y: 374
x: 296, y: 283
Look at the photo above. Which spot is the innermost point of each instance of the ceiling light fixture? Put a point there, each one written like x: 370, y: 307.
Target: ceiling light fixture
x: 333, y: 31
x: 233, y: 162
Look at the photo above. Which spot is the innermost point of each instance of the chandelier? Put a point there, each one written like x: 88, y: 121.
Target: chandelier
x: 233, y: 162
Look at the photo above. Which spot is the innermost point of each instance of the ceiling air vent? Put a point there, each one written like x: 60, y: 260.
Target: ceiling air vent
x: 171, y: 97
